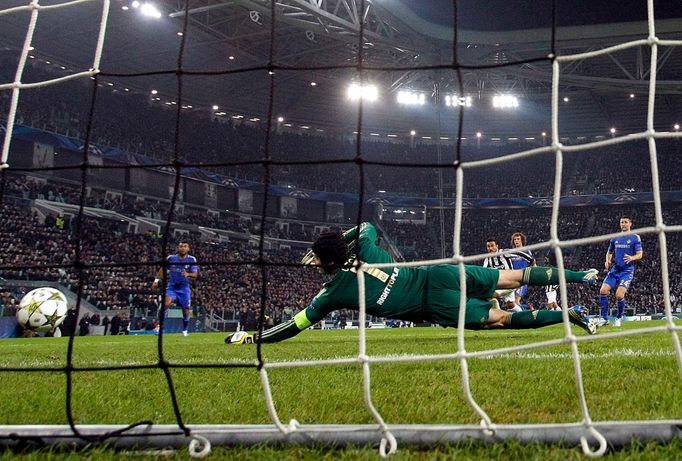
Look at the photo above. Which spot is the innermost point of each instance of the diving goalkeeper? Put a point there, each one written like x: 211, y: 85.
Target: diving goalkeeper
x: 424, y: 293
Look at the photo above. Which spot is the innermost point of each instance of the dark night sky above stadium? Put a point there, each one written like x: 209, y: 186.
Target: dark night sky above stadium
x: 524, y: 14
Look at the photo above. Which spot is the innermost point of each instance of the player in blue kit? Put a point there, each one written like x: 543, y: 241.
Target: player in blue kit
x: 620, y: 262
x: 182, y: 267
x: 521, y: 259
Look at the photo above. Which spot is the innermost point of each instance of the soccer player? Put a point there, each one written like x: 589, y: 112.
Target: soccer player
x: 506, y: 298
x: 620, y: 262
x: 521, y: 260
x: 551, y: 291
x: 182, y: 267
x: 417, y: 294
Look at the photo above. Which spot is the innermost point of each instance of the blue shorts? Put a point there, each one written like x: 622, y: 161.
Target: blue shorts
x: 616, y: 278
x: 181, y: 295
x: 522, y: 291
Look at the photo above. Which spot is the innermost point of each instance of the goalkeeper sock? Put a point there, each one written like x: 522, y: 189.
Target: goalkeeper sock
x: 542, y: 276
x: 621, y: 308
x: 534, y: 319
x: 604, y: 306
x: 185, y: 323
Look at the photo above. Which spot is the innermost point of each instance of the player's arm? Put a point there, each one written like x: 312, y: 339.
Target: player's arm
x: 635, y: 257
x: 367, y: 231
x: 157, y: 280
x: 638, y: 252
x: 608, y: 260
x: 291, y: 328
x: 193, y: 272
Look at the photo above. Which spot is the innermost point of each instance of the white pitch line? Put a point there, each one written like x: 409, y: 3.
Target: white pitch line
x: 616, y: 353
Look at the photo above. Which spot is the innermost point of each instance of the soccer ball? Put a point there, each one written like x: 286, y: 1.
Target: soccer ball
x: 42, y: 309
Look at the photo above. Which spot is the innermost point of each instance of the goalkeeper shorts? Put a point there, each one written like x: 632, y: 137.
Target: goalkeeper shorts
x: 443, y: 295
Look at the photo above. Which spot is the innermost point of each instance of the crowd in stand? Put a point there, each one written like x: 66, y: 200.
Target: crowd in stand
x: 206, y: 139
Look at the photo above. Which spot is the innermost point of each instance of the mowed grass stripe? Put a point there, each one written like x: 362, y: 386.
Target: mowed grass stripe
x: 626, y: 378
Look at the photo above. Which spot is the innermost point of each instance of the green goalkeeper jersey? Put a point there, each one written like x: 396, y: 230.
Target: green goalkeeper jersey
x: 389, y: 292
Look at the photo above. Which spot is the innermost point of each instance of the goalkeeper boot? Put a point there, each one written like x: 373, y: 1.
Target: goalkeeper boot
x: 616, y: 323
x: 590, y: 277
x: 578, y: 316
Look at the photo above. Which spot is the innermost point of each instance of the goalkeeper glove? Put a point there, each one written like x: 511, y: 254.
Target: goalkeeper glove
x: 240, y: 337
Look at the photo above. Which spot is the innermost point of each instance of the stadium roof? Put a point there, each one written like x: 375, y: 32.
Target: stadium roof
x: 319, y: 42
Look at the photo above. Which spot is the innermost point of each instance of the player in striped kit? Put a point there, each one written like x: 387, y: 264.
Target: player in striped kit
x: 506, y: 298
x: 551, y: 292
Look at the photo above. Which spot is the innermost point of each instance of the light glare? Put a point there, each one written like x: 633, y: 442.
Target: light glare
x: 454, y: 100
x: 366, y: 92
x: 410, y: 98
x: 150, y: 10
x: 505, y: 101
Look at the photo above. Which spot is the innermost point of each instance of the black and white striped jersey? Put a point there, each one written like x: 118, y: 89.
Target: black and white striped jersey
x: 498, y: 261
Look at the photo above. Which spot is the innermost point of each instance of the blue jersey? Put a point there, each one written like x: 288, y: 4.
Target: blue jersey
x: 621, y: 246
x: 175, y: 268
x: 522, y: 259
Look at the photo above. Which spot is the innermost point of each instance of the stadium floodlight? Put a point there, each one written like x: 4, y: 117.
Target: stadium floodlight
x: 566, y: 99
x: 154, y: 92
x: 412, y: 132
x: 313, y: 83
x: 452, y: 100
x: 612, y: 130
x: 280, y: 119
x: 632, y: 95
x: 366, y: 92
x: 149, y: 10
x: 231, y: 58
x: 505, y: 101
x: 135, y: 4
x: 479, y: 134
x: 124, y: 7
x: 676, y: 126
x: 411, y: 98
x: 215, y: 107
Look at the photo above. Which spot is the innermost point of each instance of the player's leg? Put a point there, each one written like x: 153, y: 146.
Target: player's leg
x: 542, y: 276
x: 168, y: 300
x: 620, y: 303
x: 184, y: 300
x: 536, y: 319
x: 185, y: 321
x: 604, y: 292
x: 552, y: 304
x: 520, y: 295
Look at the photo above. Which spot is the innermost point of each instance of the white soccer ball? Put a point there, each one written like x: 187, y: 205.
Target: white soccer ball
x: 42, y: 309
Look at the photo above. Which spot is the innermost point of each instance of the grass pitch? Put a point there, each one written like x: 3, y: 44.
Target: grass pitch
x: 625, y: 378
